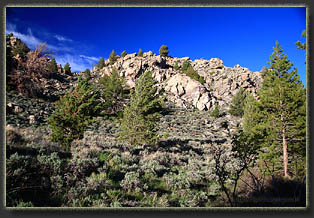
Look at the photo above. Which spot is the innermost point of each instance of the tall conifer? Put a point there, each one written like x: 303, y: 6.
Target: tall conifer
x: 53, y: 65
x: 67, y: 68
x: 280, y: 115
x: 141, y: 116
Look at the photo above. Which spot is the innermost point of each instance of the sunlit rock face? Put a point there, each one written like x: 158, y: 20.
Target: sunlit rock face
x: 222, y: 82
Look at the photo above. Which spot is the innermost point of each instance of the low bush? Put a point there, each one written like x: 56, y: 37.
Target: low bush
x: 216, y: 112
x: 140, y: 53
x: 188, y: 70
x: 123, y: 54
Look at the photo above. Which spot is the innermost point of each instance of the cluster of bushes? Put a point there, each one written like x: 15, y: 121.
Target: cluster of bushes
x: 112, y: 174
x: 77, y: 109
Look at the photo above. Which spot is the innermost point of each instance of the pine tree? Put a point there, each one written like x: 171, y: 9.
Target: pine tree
x: 67, y: 68
x: 123, y: 54
x: 163, y: 51
x: 140, y: 53
x: 101, y: 63
x: 301, y: 45
x: 112, y: 57
x: 114, y: 86
x: 53, y: 65
x: 279, y: 115
x: 74, y: 112
x: 142, y: 114
x: 237, y: 104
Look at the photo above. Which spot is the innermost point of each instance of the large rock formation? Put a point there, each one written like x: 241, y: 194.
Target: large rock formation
x: 222, y: 82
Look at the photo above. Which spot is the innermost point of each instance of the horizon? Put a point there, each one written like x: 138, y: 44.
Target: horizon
x: 236, y: 35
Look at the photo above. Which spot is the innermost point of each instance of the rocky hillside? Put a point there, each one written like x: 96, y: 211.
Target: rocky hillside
x: 222, y: 82
x: 31, y: 88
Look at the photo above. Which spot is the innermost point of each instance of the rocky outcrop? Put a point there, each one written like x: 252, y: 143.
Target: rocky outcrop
x: 183, y: 90
x: 222, y: 82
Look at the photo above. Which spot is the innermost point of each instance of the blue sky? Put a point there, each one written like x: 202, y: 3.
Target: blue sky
x: 237, y: 35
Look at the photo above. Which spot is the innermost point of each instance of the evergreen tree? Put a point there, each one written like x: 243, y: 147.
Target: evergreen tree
x: 113, y: 90
x: 123, y: 54
x: 237, y: 104
x: 53, y: 65
x: 140, y: 53
x: 101, y: 63
x: 112, y: 57
x: 163, y: 51
x: 301, y: 45
x: 251, y: 114
x: 74, y: 112
x: 279, y: 116
x: 142, y: 114
x: 67, y: 68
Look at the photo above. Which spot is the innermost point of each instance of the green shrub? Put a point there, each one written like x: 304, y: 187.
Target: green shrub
x: 73, y: 113
x: 237, y: 104
x: 123, y: 54
x: 112, y: 57
x: 25, y: 204
x: 176, y: 66
x: 185, y: 65
x: 216, y: 112
x: 23, y: 176
x: 141, y: 116
x: 140, y: 53
x: 188, y: 70
x: 163, y: 51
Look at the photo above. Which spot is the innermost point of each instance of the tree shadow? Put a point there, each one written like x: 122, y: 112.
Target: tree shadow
x: 181, y: 145
x: 279, y: 192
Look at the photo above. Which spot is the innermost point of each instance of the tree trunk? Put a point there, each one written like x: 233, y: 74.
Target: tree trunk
x: 285, y: 153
